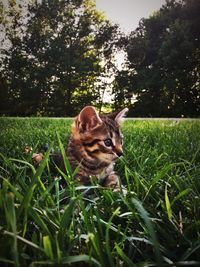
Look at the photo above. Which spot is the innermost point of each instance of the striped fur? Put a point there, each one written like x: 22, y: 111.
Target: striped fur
x: 95, y: 143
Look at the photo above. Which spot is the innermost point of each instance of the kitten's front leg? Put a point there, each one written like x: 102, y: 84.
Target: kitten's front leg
x: 112, y: 181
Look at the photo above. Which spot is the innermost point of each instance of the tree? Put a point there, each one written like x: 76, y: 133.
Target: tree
x: 121, y: 90
x: 163, y: 61
x: 52, y: 67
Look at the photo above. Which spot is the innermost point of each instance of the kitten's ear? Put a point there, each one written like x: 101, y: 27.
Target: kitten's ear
x: 120, y: 115
x: 88, y: 119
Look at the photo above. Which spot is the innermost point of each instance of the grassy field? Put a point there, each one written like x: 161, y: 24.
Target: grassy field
x: 157, y: 223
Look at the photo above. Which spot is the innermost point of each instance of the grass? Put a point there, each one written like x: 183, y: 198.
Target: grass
x: 157, y: 223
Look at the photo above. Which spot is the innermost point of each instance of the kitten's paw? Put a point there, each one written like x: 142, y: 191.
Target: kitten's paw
x: 123, y: 190
x: 112, y: 181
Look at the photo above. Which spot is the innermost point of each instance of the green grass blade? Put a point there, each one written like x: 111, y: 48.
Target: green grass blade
x: 168, y: 205
x: 58, y: 251
x: 14, y: 190
x: 37, y: 176
x: 190, y: 251
x: 162, y: 173
x: 47, y: 247
x: 66, y: 220
x: 80, y: 258
x: 107, y: 239
x: 11, y: 219
x: 65, y: 159
x: 127, y: 261
x: 181, y: 195
x: 144, y: 215
x: 26, y: 201
x: 68, y: 213
x: 25, y: 241
x: 37, y: 218
x: 24, y: 163
x: 70, y: 260
x: 7, y: 261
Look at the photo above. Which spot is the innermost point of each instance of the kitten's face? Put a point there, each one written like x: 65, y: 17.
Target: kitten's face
x: 100, y: 136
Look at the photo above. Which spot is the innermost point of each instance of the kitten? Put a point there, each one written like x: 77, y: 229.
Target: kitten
x: 94, y: 145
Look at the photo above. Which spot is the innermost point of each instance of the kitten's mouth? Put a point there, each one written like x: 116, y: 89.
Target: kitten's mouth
x: 109, y: 157
x: 113, y: 157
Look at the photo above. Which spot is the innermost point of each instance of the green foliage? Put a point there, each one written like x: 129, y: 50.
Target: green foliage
x: 56, y: 54
x: 163, y: 63
x: 47, y: 220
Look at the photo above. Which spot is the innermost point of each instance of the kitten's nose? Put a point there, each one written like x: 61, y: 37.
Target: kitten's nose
x: 119, y: 153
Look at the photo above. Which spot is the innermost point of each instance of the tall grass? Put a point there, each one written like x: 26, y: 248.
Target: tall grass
x: 47, y: 220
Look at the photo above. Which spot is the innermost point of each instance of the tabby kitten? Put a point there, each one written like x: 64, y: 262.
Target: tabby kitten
x: 95, y: 144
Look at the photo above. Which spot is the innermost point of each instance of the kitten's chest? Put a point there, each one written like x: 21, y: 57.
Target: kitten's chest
x: 86, y: 175
x: 103, y: 174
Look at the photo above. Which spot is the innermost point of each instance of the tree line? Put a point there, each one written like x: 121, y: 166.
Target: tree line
x: 59, y: 55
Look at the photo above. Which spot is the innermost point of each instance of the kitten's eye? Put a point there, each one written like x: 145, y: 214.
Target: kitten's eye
x: 108, y: 142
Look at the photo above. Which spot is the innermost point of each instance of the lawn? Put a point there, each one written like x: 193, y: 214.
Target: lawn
x: 156, y: 223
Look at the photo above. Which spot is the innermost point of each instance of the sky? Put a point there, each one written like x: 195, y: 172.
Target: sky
x: 127, y: 13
